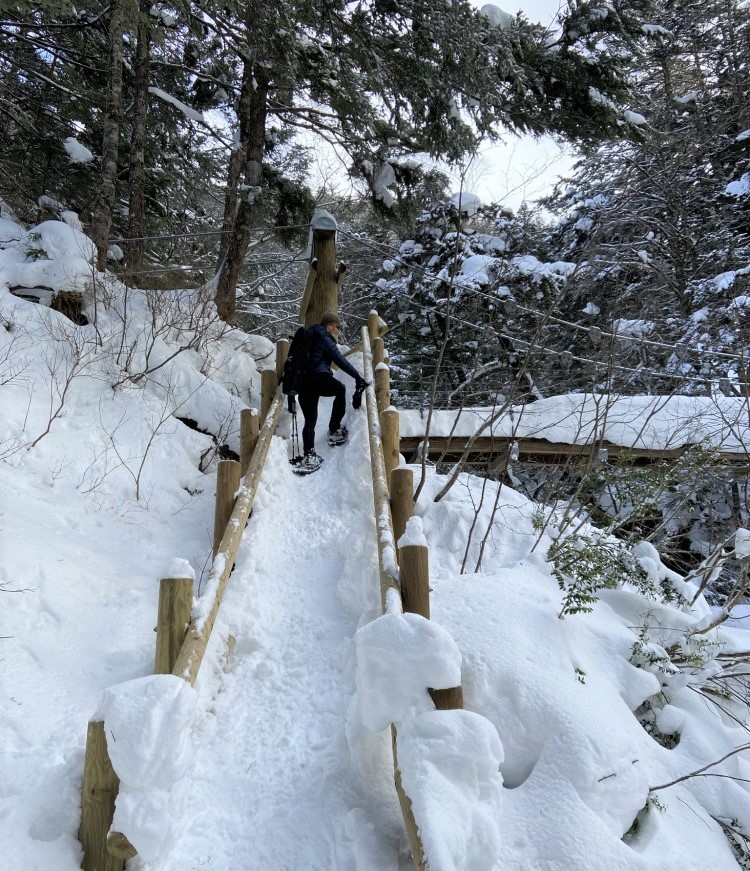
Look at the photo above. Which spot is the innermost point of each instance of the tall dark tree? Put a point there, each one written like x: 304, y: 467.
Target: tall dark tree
x: 387, y: 80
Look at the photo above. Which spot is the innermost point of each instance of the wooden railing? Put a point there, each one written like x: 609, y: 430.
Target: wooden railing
x: 181, y: 642
x: 182, y: 635
x: 404, y: 571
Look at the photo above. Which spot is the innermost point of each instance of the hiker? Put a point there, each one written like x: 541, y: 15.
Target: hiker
x: 318, y: 381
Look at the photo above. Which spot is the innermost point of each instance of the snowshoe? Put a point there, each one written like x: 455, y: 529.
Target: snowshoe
x: 306, y: 465
x: 338, y: 437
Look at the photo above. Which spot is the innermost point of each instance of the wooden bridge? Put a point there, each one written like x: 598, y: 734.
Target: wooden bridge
x: 184, y: 630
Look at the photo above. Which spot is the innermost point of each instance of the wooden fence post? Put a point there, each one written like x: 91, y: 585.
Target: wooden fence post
x: 378, y: 352
x: 175, y: 606
x: 268, y: 385
x: 373, y: 319
x: 389, y: 434
x: 227, y: 485
x: 324, y: 293
x: 383, y: 387
x: 98, y: 794
x: 451, y: 699
x: 413, y: 561
x: 282, y: 352
x: 249, y: 429
x: 402, y: 498
x: 307, y: 292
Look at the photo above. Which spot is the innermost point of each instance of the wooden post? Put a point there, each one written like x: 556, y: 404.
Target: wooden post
x: 308, y: 292
x: 249, y: 429
x: 98, y: 794
x: 402, y: 498
x: 383, y: 387
x: 389, y: 434
x: 357, y: 349
x: 325, y: 291
x: 373, y: 319
x: 175, y: 605
x: 282, y: 352
x: 378, y: 353
x: 227, y: 485
x: 268, y: 385
x: 413, y: 561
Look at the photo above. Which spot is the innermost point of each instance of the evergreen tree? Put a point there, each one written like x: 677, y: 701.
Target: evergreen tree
x: 660, y: 236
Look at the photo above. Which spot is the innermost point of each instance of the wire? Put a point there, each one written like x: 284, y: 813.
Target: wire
x: 426, y: 272
x: 551, y: 351
x: 204, y: 233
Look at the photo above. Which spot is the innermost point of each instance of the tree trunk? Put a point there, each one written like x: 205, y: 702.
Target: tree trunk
x: 252, y: 123
x: 105, y: 199
x: 137, y: 172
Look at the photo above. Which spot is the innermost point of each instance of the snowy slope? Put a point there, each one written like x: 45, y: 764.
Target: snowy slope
x: 590, y: 711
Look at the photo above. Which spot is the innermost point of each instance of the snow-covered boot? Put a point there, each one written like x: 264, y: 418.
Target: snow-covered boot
x: 338, y: 437
x: 311, y: 462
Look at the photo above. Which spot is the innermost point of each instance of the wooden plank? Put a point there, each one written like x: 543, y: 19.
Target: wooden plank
x: 545, y: 451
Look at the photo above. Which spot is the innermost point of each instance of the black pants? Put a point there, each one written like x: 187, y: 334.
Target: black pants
x: 310, y: 391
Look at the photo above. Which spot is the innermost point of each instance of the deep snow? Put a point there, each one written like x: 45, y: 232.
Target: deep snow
x: 282, y: 760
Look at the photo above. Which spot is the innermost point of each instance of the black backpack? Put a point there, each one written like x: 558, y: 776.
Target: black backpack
x: 296, y: 365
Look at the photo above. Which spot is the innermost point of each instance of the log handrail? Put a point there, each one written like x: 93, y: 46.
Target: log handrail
x: 390, y: 591
x: 381, y: 496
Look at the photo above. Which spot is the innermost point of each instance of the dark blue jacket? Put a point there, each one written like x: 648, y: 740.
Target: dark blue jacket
x: 324, y: 351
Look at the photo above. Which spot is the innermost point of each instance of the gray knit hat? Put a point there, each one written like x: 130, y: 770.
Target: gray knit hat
x: 330, y: 317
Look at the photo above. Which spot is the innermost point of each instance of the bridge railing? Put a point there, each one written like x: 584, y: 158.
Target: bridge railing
x: 404, y: 571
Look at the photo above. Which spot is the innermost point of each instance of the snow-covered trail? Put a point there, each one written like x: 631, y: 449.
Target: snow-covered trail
x: 274, y: 785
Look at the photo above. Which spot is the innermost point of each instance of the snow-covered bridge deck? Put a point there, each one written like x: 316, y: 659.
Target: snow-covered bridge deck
x: 642, y: 427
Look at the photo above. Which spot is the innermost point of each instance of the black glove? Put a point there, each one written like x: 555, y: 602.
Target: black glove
x: 291, y: 402
x: 359, y: 389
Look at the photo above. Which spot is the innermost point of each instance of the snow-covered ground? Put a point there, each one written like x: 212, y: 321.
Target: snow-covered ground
x: 283, y: 763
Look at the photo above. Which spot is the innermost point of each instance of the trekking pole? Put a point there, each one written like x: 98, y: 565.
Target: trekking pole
x: 292, y: 407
